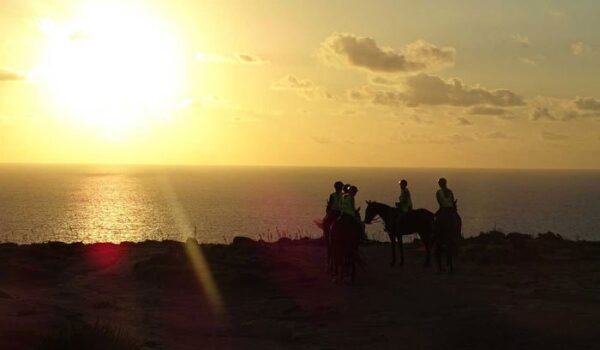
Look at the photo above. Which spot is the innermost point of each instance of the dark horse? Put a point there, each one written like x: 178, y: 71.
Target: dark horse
x: 396, y: 225
x: 448, y: 232
x: 344, y: 239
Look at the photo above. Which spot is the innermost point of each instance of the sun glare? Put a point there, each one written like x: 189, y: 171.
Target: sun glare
x: 112, y: 69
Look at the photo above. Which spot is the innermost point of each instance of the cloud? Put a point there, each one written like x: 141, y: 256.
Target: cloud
x: 247, y: 58
x: 463, y: 122
x: 564, y: 110
x: 540, y: 113
x: 528, y: 61
x: 242, y: 58
x: 549, y: 136
x: 579, y: 48
x: 358, y: 95
x: 458, y: 138
x: 321, y: 140
x: 432, y: 90
x: 521, y: 40
x: 498, y: 135
x: 423, y: 89
x: 349, y: 50
x: 379, y: 80
x: 484, y: 110
x: 6, y: 75
x: 587, y: 104
x: 303, y: 87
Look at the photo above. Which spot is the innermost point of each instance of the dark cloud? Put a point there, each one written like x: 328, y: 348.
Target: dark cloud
x: 6, y: 75
x: 423, y: 89
x: 357, y: 95
x: 484, y: 110
x: 247, y: 58
x: 463, y: 121
x: 432, y: 90
x: 303, y: 87
x: 362, y: 52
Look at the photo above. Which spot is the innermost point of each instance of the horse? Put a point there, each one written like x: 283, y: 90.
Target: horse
x: 344, y: 239
x: 447, y: 234
x: 396, y: 225
x: 325, y: 225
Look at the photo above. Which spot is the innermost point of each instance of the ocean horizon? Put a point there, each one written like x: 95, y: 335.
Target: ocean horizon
x: 115, y: 203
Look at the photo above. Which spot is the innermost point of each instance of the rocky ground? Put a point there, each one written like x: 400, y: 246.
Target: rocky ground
x: 507, y: 292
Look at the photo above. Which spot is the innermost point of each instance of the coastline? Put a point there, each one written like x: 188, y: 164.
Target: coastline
x: 508, y: 291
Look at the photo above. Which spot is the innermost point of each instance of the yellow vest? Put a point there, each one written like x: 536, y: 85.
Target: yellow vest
x: 348, y: 205
x: 443, y: 200
x: 336, y: 201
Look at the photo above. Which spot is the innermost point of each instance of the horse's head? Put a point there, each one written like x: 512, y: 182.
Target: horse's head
x: 370, y: 212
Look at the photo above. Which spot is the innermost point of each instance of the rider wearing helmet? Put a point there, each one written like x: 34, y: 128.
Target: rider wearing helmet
x: 348, y: 206
x: 334, y: 203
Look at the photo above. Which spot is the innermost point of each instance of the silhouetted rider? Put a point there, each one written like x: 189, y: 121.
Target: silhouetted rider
x: 348, y: 206
x: 334, y: 203
x: 404, y: 201
x: 444, y: 196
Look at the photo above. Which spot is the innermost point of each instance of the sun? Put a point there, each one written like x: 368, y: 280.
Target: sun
x: 112, y: 69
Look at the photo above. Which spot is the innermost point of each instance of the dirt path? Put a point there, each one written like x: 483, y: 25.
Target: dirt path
x: 278, y: 296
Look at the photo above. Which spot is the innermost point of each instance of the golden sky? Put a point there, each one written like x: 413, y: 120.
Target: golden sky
x: 504, y: 84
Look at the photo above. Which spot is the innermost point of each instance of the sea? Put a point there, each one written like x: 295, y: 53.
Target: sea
x: 92, y: 203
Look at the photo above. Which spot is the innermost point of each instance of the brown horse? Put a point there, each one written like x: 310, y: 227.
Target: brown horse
x: 396, y: 225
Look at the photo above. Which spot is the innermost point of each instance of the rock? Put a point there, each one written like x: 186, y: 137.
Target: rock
x: 549, y: 237
x: 241, y: 241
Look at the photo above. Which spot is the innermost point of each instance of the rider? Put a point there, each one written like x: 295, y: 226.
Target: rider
x: 334, y: 203
x: 404, y: 201
x: 445, y: 199
x: 349, y: 210
x: 348, y: 206
x: 334, y: 207
x: 444, y: 196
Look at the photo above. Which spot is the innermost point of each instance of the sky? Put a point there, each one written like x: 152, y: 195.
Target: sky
x: 469, y: 84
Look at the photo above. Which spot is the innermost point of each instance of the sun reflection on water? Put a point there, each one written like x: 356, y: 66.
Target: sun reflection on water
x: 111, y: 208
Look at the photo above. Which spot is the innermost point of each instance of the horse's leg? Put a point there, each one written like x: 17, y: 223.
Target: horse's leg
x: 438, y: 256
x: 401, y: 249
x: 427, y: 241
x: 393, y: 245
